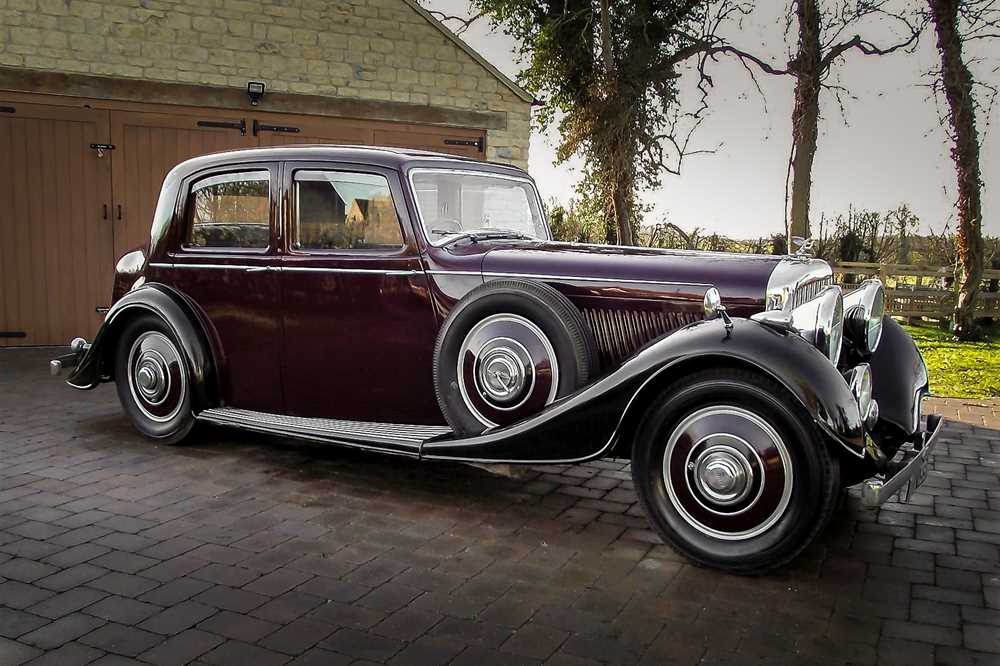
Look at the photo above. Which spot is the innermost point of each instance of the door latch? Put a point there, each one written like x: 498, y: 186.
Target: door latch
x: 101, y: 147
x: 476, y: 143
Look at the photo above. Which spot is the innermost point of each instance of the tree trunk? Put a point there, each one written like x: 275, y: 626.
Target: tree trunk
x: 805, y: 114
x: 623, y: 209
x: 956, y: 80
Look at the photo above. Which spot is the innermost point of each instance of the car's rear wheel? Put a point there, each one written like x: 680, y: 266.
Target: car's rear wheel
x: 508, y: 349
x: 732, y: 472
x: 153, y: 380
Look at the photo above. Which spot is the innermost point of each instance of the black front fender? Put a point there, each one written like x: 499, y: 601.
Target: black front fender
x: 588, y: 423
x: 899, y: 379
x: 97, y: 364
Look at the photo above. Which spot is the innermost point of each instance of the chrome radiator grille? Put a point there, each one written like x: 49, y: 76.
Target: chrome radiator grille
x: 810, y: 290
x: 619, y: 333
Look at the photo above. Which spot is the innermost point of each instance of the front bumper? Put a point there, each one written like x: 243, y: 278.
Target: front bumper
x: 906, y: 475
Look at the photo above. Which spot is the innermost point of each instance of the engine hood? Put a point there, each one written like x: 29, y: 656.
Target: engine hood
x: 740, y: 278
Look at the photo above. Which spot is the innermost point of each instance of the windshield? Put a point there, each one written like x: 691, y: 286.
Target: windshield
x: 466, y: 202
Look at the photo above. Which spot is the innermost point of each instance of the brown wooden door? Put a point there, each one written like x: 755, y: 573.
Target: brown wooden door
x: 463, y: 142
x: 147, y: 146
x: 273, y: 130
x: 56, y: 261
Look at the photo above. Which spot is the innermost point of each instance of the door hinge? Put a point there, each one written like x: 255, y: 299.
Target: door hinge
x: 262, y: 127
x: 13, y: 334
x: 221, y: 124
x: 7, y: 109
x: 101, y: 148
x: 478, y: 143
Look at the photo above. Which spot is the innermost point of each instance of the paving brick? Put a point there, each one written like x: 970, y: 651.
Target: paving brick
x: 175, y: 591
x: 535, y: 640
x: 13, y: 623
x: 122, y: 610
x: 361, y: 645
x: 15, y: 594
x: 126, y: 585
x: 177, y: 618
x: 234, y: 653
x: 298, y: 636
x: 70, y: 654
x: 121, y: 639
x: 278, y: 582
x: 237, y: 626
x: 76, y: 555
x: 15, y: 653
x: 238, y: 601
x: 24, y: 570
x: 65, y: 629
x: 67, y: 602
x: 72, y: 577
x: 182, y: 649
x: 981, y: 638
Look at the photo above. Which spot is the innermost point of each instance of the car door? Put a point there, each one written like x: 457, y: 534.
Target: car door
x: 225, y: 262
x: 358, y: 320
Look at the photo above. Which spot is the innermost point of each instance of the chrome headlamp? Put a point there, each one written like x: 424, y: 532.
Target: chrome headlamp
x: 860, y: 380
x: 821, y: 322
x: 863, y: 311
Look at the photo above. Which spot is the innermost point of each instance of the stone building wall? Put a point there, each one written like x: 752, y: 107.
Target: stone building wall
x: 384, y: 50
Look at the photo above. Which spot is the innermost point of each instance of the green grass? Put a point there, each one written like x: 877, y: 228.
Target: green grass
x: 959, y: 369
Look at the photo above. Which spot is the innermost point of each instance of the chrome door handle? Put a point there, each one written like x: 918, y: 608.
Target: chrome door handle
x: 258, y: 269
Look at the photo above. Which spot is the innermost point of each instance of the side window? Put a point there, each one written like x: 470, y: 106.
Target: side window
x: 336, y: 210
x: 230, y: 210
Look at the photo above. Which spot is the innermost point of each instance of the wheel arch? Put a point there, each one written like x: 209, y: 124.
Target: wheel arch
x: 190, y: 329
x: 817, y: 403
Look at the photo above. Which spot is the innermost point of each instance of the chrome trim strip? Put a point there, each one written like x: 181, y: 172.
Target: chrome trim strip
x: 293, y: 269
x: 235, y: 267
x: 575, y: 278
x: 365, y: 271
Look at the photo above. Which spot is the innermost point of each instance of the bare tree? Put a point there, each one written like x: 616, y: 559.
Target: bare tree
x: 955, y: 22
x: 822, y: 41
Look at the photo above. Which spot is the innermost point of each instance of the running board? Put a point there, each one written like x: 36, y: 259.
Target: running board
x: 386, y: 437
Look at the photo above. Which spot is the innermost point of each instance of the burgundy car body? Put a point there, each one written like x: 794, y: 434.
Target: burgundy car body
x: 349, y: 336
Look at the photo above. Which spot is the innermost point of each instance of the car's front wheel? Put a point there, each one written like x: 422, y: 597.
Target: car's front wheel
x: 732, y: 472
x: 154, y: 384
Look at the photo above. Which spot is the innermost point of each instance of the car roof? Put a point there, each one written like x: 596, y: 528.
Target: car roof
x: 383, y: 156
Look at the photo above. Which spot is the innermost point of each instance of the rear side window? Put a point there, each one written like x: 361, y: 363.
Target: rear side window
x: 230, y: 210
x: 338, y: 210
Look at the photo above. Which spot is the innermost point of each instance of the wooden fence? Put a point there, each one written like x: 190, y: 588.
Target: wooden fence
x: 918, y: 291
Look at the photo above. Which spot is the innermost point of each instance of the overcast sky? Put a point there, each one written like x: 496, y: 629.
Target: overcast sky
x: 892, y: 149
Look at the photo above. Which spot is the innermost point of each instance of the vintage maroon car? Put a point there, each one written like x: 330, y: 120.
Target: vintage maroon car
x: 415, y: 304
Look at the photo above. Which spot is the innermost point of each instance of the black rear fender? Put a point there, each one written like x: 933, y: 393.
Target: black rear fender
x: 189, y: 330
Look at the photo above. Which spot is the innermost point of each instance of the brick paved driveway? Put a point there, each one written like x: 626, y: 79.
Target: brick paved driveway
x: 253, y: 551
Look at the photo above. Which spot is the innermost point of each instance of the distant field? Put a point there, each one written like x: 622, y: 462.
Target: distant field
x: 959, y: 369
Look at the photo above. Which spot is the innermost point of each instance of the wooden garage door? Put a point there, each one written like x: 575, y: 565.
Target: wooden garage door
x: 56, y: 256
x: 67, y: 213
x: 147, y: 147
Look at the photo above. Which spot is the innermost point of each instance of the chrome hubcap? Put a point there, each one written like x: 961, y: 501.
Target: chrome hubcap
x: 501, y: 375
x: 506, y: 370
x: 157, y: 377
x: 151, y: 376
x: 723, y: 474
x: 727, y: 472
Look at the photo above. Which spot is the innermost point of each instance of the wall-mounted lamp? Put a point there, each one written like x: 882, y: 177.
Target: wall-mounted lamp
x: 255, y: 91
